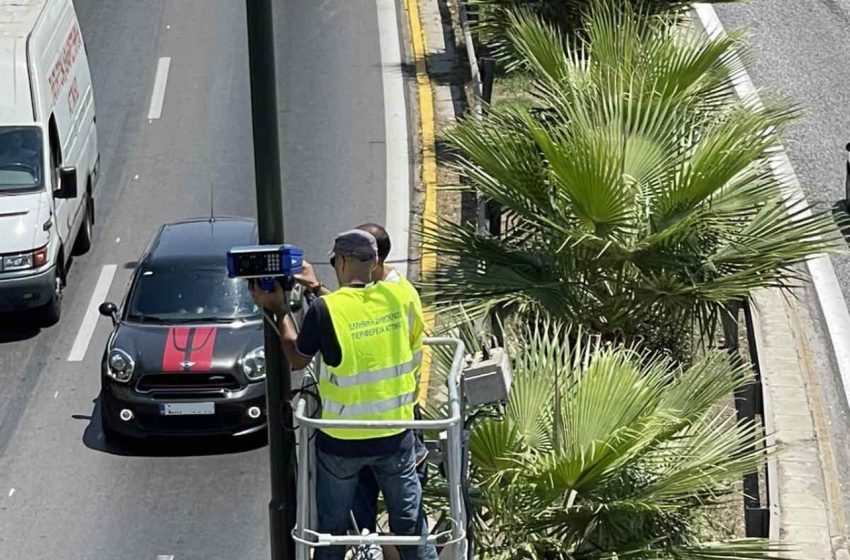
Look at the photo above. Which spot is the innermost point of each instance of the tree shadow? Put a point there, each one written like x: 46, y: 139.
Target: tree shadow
x: 94, y: 439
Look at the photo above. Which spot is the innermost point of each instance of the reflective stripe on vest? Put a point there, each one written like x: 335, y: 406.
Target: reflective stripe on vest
x: 367, y: 409
x: 377, y: 375
x: 376, y: 378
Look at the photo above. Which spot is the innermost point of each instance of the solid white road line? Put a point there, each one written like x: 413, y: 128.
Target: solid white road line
x: 159, y: 83
x: 825, y: 281
x: 395, y: 136
x: 101, y: 290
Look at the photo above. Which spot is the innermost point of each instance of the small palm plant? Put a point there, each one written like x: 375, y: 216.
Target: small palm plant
x: 638, y: 193
x: 608, y: 452
x: 493, y: 17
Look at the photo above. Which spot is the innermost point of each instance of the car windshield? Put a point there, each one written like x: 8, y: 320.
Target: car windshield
x: 176, y: 295
x: 20, y: 158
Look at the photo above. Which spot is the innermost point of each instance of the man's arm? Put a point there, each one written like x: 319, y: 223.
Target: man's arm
x: 310, y: 281
x: 289, y: 341
x: 275, y: 302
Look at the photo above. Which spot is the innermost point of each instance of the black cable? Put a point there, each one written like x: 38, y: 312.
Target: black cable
x: 468, y: 425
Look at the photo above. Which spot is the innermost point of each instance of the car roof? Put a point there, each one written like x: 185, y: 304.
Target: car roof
x: 201, y: 242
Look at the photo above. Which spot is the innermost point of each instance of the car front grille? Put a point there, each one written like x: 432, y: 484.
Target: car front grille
x: 178, y: 382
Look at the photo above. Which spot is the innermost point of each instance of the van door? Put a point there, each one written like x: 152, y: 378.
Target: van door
x: 63, y: 215
x: 63, y: 82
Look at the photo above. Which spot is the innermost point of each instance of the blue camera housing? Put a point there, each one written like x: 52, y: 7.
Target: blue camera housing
x: 265, y: 262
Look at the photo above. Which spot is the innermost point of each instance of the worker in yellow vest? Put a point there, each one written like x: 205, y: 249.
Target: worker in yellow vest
x: 366, y: 498
x: 365, y: 333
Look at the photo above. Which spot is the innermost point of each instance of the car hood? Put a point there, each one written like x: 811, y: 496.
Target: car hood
x: 22, y: 219
x: 187, y: 348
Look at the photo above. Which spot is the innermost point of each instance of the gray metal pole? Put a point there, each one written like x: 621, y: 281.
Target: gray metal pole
x: 270, y: 222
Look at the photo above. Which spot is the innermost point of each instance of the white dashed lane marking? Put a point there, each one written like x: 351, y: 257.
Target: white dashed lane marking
x: 101, y: 290
x: 159, y: 83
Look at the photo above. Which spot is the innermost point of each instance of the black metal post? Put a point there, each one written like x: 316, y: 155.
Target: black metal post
x: 488, y: 75
x: 270, y: 222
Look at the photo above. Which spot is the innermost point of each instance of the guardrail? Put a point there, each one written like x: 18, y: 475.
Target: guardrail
x: 482, y: 73
x: 474, y: 69
x: 752, y: 403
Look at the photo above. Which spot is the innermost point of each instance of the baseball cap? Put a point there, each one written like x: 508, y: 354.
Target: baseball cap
x: 355, y: 243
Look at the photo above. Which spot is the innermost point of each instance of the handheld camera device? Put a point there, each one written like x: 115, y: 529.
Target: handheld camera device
x: 266, y: 264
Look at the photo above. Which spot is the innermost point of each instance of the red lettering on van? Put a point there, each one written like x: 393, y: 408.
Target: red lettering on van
x: 73, y: 96
x: 64, y: 62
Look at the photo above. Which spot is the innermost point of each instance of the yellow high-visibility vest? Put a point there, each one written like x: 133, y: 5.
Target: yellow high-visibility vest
x: 417, y: 325
x: 376, y: 379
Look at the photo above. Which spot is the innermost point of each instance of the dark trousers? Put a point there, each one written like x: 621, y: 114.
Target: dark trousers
x: 338, y: 482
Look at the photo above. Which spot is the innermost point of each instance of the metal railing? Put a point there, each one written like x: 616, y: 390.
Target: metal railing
x: 305, y: 533
x: 752, y: 404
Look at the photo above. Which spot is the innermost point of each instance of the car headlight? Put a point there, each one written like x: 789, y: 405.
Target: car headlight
x: 254, y: 364
x: 24, y: 261
x: 119, y: 365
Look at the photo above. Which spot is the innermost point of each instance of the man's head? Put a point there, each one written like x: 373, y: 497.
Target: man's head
x: 355, y: 256
x: 381, y: 237
x: 383, y: 240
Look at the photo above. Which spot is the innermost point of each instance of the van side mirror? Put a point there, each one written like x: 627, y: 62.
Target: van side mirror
x: 109, y: 309
x: 67, y: 183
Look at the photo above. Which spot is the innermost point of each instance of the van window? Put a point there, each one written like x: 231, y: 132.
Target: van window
x: 20, y: 158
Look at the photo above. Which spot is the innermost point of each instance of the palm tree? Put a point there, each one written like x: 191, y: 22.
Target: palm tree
x: 638, y: 192
x: 493, y: 17
x: 607, y: 452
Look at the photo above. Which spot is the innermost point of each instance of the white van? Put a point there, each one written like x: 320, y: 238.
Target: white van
x: 48, y: 152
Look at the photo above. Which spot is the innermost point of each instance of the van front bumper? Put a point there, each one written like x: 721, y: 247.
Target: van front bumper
x: 25, y: 291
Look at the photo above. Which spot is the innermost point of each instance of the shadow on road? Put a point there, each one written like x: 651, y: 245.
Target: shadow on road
x: 841, y: 214
x: 164, y: 446
x: 17, y: 326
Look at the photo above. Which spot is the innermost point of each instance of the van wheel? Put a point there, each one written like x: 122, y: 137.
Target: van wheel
x: 50, y: 312
x: 83, y: 242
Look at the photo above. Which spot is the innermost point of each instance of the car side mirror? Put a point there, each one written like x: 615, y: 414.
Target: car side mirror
x: 67, y: 183
x: 109, y: 309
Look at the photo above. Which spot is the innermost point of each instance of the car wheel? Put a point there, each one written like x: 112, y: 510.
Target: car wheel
x: 84, y: 237
x: 51, y: 311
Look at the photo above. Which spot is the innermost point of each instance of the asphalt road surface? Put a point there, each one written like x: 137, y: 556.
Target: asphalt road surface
x: 800, y: 49
x: 64, y: 493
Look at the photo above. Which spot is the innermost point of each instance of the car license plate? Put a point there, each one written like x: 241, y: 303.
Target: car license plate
x: 186, y: 409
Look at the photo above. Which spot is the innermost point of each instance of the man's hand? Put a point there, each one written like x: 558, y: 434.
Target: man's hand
x: 272, y: 301
x: 308, y: 277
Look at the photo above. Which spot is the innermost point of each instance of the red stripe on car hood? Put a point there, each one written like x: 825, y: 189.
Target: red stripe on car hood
x: 201, y: 352
x: 176, y: 346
